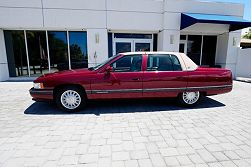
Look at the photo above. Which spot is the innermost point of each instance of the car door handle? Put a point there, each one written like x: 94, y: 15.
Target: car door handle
x: 135, y: 79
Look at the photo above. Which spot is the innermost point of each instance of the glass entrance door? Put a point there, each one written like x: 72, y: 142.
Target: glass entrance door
x: 123, y: 47
x: 132, y: 45
x: 142, y: 45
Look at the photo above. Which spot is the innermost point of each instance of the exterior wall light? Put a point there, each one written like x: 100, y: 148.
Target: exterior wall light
x: 171, y: 39
x: 97, y: 38
x: 234, y: 41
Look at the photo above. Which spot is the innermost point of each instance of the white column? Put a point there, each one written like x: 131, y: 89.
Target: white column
x: 221, y: 50
x: 168, y: 40
x: 97, y: 45
x: 4, y: 70
x: 234, y: 39
x: 227, y: 50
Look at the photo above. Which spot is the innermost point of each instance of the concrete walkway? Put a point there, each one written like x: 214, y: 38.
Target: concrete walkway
x: 137, y: 133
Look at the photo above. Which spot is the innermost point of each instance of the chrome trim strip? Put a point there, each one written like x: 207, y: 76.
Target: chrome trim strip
x: 163, y: 90
x: 157, y: 89
x: 117, y: 91
x: 210, y: 87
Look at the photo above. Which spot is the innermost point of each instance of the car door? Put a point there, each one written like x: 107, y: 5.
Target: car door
x: 163, y: 76
x: 124, y: 81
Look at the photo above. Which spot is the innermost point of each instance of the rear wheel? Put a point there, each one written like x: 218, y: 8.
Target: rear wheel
x: 189, y: 98
x: 70, y: 99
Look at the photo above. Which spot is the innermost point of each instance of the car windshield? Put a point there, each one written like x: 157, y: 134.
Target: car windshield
x: 102, y: 64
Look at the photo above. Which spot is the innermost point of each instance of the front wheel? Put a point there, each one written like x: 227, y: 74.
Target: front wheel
x: 189, y: 98
x: 70, y: 99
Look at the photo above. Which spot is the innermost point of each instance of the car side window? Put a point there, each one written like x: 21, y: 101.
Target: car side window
x: 159, y: 63
x: 176, y: 63
x: 131, y: 63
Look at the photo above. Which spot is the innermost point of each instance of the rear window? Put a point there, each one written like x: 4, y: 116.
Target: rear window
x: 160, y: 62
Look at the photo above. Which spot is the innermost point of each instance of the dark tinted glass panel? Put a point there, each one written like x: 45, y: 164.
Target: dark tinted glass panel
x: 209, y: 50
x: 183, y: 37
x: 159, y: 63
x: 155, y: 42
x: 110, y: 54
x: 176, y: 63
x: 182, y: 48
x: 78, y: 49
x: 142, y: 47
x: 128, y: 64
x: 38, y: 58
x: 194, y: 47
x: 123, y: 47
x: 16, y: 53
x: 136, y: 36
x: 58, y: 50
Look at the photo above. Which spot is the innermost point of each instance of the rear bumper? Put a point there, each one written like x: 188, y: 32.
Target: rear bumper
x: 220, y: 90
x: 41, y: 94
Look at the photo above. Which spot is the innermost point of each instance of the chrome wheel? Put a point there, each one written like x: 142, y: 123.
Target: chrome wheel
x: 70, y: 99
x: 190, y: 97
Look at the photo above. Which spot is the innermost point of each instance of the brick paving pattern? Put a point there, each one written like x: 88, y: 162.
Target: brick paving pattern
x: 138, y: 133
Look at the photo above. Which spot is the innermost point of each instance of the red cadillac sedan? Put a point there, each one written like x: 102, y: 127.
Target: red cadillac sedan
x: 133, y: 75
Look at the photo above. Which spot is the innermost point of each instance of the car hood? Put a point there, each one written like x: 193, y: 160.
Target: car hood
x: 83, y: 71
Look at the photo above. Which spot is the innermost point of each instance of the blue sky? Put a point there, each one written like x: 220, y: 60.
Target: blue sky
x: 247, y: 3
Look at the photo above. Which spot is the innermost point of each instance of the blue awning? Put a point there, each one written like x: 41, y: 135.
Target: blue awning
x: 236, y: 23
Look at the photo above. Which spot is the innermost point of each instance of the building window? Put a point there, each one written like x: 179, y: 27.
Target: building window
x: 37, y: 51
x: 200, y: 48
x: 123, y: 47
x: 110, y: 47
x: 58, y: 49
x: 194, y: 47
x: 183, y: 37
x: 155, y: 42
x: 37, y: 59
x: 78, y: 50
x: 209, y: 51
x: 16, y: 53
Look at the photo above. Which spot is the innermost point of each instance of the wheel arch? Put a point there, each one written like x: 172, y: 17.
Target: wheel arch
x: 59, y: 87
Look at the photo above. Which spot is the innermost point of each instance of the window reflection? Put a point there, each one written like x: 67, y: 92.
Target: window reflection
x: 38, y: 58
x: 123, y: 47
x: 37, y: 51
x: 58, y: 50
x: 78, y: 50
x: 16, y: 53
x: 209, y: 50
x: 146, y: 47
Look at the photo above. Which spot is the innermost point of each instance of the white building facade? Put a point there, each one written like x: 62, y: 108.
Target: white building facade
x: 42, y: 36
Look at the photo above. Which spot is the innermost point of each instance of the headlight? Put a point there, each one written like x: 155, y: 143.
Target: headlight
x: 38, y: 85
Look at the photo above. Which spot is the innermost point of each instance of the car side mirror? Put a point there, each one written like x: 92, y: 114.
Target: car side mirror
x: 108, y: 69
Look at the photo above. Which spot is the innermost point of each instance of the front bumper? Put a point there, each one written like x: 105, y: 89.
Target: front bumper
x: 41, y: 94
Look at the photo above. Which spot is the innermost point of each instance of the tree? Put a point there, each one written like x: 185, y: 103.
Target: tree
x: 248, y: 34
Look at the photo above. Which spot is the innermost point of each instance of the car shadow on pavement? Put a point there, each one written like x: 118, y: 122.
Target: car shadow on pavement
x: 98, y: 107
